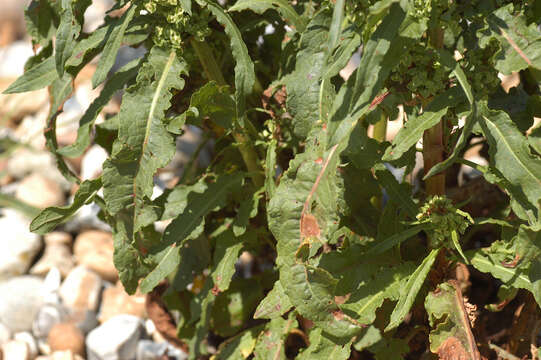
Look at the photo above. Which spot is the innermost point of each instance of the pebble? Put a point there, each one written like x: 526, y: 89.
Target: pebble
x: 16, y: 350
x: 116, y: 339
x: 55, y: 256
x: 65, y: 355
x: 13, y: 57
x: 116, y: 301
x: 24, y: 161
x: 58, y: 238
x: 150, y: 350
x: 66, y: 336
x: 27, y: 337
x: 92, y: 163
x: 85, y: 320
x: 48, y: 316
x: 94, y: 249
x: 95, y: 14
x: 39, y: 191
x: 18, y: 246
x: 80, y: 291
x: 51, y: 284
x: 60, y: 355
x: 5, y: 334
x: 20, y: 302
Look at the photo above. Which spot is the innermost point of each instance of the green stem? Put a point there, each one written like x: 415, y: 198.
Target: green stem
x: 433, y: 151
x: 208, y: 61
x: 246, y: 147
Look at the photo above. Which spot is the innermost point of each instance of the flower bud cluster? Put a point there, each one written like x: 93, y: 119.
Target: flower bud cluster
x: 419, y: 72
x: 444, y: 218
x: 173, y: 24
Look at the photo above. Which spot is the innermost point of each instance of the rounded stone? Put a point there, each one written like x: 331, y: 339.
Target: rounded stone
x: 21, y: 299
x: 66, y: 336
x: 39, y: 191
x: 94, y: 249
x: 115, y: 339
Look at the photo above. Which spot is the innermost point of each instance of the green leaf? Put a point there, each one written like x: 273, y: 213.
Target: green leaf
x: 275, y: 304
x: 128, y: 254
x: 510, y: 154
x: 413, y: 129
x: 535, y: 278
x: 310, y: 290
x: 321, y: 348
x: 450, y: 323
x: 390, y: 348
x: 247, y: 210
x: 396, y: 239
x: 210, y: 101
x: 398, y: 192
x: 380, y: 54
x: 233, y: 308
x: 365, y: 281
x: 521, y: 43
x: 35, y: 78
x: 515, y: 261
x: 113, y: 41
x: 116, y: 83
x: 199, y: 205
x: 226, y: 254
x: 244, y: 68
x: 271, y: 343
x: 51, y: 217
x: 282, y: 6
x: 409, y: 292
x: 304, y: 83
x: 195, y: 257
x: 40, y: 19
x: 143, y: 144
x: 239, y: 347
x: 188, y: 225
x: 336, y: 24
x: 68, y: 30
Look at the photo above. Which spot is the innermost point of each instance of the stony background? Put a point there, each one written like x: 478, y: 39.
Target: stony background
x: 59, y: 294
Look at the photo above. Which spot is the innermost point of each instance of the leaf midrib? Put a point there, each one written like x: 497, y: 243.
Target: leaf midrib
x: 504, y: 140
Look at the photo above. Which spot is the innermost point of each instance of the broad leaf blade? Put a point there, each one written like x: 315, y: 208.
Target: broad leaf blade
x: 35, y: 78
x: 143, y: 144
x: 188, y: 225
x: 450, y: 322
x: 304, y: 83
x: 275, y: 304
x: 409, y: 292
x: 112, y: 45
x: 244, y: 68
x: 510, y: 154
x: 271, y: 343
x: 323, y: 348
